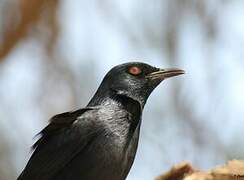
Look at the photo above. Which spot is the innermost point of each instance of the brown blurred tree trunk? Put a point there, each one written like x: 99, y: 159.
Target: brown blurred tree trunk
x: 28, y: 14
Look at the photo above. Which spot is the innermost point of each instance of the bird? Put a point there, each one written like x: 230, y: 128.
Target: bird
x: 99, y: 141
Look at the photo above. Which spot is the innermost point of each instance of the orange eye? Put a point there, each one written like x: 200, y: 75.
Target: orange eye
x: 135, y: 70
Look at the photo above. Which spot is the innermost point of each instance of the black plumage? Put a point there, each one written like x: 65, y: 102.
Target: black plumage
x: 98, y: 142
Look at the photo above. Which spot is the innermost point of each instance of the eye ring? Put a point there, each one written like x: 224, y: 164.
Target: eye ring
x: 134, y: 70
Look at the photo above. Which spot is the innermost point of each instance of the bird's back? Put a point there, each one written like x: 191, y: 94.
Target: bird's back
x: 89, y: 147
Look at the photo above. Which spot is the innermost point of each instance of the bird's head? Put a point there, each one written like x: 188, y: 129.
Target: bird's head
x: 135, y: 80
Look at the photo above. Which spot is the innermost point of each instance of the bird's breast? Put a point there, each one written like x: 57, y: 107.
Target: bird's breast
x: 120, y: 148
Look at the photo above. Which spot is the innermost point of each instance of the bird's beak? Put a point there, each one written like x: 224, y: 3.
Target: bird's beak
x: 162, y: 74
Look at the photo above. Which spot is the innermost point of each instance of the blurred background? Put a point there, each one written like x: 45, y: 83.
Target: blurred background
x: 54, y: 54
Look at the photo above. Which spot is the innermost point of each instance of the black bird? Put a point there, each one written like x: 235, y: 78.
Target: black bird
x: 98, y: 142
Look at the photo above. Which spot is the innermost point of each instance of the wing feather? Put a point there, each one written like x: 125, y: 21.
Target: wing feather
x: 60, y: 142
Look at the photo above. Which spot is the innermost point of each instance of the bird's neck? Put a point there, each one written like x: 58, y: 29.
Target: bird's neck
x: 111, y: 99
x: 127, y: 118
